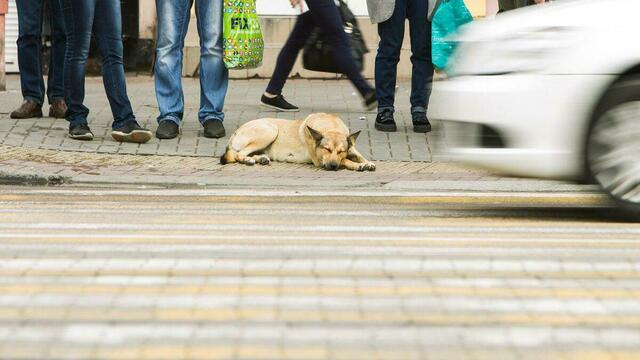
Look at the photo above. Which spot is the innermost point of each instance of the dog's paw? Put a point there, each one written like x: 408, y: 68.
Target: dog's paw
x: 370, y: 166
x: 367, y: 167
x: 264, y: 160
x: 249, y: 162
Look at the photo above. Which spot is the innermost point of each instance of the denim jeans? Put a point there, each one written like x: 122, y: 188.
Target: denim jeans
x: 325, y: 14
x: 391, y: 34
x: 173, y: 22
x: 103, y: 16
x: 30, y: 14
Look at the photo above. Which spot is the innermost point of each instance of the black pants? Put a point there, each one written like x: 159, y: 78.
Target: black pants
x: 391, y: 34
x: 325, y: 14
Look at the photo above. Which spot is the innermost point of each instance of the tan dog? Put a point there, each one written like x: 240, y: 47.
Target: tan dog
x: 321, y: 139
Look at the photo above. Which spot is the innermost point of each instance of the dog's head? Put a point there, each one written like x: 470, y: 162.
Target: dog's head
x: 332, y: 147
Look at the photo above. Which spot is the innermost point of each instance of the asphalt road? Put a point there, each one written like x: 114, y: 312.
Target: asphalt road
x: 206, y: 274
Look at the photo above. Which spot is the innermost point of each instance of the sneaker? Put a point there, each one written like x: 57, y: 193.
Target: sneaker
x: 278, y: 103
x: 28, y: 110
x: 131, y: 132
x: 213, y: 129
x: 167, y: 129
x: 80, y: 132
x: 385, y: 122
x: 370, y: 101
x: 58, y: 109
x: 420, y: 122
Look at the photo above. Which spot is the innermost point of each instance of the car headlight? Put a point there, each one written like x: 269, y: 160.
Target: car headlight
x: 524, y: 51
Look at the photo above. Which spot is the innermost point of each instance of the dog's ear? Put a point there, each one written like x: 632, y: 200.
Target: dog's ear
x: 352, y: 139
x: 317, y: 136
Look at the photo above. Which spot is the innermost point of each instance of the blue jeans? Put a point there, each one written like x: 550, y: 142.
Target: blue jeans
x: 391, y: 34
x: 173, y: 21
x: 103, y: 16
x: 29, y: 50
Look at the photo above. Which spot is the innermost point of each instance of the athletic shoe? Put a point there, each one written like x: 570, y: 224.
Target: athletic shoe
x: 80, y: 132
x: 278, y: 103
x: 385, y: 122
x: 132, y: 132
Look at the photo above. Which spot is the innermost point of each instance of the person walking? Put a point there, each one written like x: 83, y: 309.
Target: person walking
x: 173, y: 22
x: 104, y: 17
x: 323, y: 14
x: 30, y: 16
x: 390, y: 15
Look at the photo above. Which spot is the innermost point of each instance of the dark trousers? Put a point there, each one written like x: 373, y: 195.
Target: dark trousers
x: 30, y: 13
x: 391, y: 34
x: 505, y: 5
x: 325, y: 14
x: 104, y: 17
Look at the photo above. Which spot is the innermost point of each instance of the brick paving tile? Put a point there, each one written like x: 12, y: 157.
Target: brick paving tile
x: 241, y: 106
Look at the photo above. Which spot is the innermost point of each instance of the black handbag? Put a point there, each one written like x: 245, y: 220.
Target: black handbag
x: 318, y: 50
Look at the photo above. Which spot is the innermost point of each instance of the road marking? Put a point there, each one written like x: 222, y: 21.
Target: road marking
x: 253, y: 227
x: 292, y: 315
x: 495, y: 199
x: 325, y: 291
x: 375, y: 273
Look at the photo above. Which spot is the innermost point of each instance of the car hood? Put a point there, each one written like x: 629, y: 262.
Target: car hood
x: 562, y: 13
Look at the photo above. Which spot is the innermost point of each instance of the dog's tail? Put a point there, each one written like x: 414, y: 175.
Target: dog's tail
x: 228, y: 157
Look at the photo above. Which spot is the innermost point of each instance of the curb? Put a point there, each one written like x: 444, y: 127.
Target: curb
x: 32, y: 180
x: 39, y: 167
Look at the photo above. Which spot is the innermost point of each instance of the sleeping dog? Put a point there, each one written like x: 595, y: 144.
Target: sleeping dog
x: 320, y: 139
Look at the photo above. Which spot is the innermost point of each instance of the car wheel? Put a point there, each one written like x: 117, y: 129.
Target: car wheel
x: 613, y: 145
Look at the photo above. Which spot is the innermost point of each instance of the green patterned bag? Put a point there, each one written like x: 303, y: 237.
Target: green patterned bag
x: 242, y: 43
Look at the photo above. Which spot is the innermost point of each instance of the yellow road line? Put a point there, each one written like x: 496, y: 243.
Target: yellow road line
x: 494, y: 200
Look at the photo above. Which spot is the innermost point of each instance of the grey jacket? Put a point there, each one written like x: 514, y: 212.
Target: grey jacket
x: 382, y: 10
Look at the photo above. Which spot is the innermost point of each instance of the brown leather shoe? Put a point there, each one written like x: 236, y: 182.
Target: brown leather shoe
x: 58, y: 109
x: 29, y: 109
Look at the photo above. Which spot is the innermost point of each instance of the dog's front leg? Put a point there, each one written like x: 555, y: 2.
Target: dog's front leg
x: 354, y: 166
x: 356, y: 157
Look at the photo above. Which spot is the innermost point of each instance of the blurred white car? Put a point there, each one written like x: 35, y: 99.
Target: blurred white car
x: 549, y: 91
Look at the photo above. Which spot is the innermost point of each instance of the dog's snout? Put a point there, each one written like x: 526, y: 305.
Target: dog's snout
x: 331, y: 166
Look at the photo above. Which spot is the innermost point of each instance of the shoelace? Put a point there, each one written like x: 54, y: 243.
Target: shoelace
x: 386, y: 117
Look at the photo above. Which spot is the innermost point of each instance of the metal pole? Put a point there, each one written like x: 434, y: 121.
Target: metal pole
x: 4, y: 8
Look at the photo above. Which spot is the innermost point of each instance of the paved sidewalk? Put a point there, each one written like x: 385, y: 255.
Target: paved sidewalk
x: 337, y: 97
x: 39, y: 152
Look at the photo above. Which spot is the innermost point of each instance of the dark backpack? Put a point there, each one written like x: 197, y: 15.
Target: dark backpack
x: 318, y: 51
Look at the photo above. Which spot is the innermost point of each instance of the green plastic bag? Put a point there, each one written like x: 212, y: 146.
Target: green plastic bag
x: 243, y: 44
x: 449, y: 17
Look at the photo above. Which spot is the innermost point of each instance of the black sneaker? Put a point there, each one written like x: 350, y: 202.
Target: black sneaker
x: 131, y: 132
x: 420, y: 122
x: 167, y: 129
x: 80, y: 132
x: 385, y: 122
x: 370, y: 101
x: 278, y: 103
x: 213, y: 129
